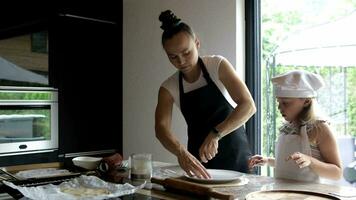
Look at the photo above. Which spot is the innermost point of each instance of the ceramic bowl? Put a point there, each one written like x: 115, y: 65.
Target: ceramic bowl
x: 87, y: 162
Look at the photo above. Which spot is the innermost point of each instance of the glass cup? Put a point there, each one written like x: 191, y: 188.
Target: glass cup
x: 141, y: 166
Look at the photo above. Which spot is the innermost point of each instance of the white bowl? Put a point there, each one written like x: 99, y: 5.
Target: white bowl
x: 87, y: 162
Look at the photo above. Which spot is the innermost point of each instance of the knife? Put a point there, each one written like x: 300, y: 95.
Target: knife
x: 181, y: 185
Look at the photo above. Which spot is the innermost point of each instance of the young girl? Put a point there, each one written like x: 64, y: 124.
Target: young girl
x: 306, y: 148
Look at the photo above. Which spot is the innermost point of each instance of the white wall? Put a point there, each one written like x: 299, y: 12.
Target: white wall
x: 145, y: 65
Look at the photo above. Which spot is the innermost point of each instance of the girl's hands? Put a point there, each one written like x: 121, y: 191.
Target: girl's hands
x: 300, y: 159
x: 257, y: 160
x: 191, y: 165
x: 209, y: 148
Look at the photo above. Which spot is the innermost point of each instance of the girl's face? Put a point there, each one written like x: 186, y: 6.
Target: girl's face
x: 182, y: 51
x: 290, y: 108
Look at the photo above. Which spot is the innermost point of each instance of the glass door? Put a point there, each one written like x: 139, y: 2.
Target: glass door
x: 317, y: 36
x: 28, y: 120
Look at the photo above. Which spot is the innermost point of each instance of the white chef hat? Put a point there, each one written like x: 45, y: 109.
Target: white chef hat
x: 297, y: 84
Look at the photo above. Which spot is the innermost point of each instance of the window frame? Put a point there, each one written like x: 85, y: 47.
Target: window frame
x: 253, y: 70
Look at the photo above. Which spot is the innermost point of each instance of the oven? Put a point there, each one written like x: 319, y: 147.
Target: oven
x: 28, y: 120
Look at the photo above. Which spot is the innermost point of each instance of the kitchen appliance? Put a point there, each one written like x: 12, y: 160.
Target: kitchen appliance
x: 28, y: 120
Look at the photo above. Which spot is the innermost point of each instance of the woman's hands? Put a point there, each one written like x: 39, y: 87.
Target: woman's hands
x: 300, y: 159
x: 207, y: 151
x: 191, y: 165
x: 209, y: 148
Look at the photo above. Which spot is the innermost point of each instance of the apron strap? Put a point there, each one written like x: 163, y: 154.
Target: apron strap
x: 181, y: 91
x: 205, y: 71
x: 305, y: 140
x: 180, y: 80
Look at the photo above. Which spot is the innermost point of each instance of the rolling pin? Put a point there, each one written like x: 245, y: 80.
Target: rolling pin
x: 181, y: 185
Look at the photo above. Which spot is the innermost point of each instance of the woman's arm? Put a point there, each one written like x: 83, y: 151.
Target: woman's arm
x: 244, y: 110
x: 163, y: 119
x: 240, y: 94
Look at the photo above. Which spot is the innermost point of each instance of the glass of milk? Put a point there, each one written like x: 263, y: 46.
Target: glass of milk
x: 141, y: 166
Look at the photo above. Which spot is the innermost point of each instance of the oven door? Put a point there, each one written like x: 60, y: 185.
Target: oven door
x: 27, y: 126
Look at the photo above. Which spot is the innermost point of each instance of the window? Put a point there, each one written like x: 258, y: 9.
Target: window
x: 24, y: 60
x: 316, y: 36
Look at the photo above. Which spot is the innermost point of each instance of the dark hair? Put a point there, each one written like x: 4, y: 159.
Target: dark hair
x: 172, y: 25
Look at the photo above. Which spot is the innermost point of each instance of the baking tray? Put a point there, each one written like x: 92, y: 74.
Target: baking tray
x: 34, y: 182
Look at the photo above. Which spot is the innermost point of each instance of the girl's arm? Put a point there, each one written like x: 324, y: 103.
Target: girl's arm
x: 329, y: 151
x: 258, y: 160
x: 270, y: 161
x: 331, y: 167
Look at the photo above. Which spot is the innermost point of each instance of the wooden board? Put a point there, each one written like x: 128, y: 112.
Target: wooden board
x: 190, y: 187
x: 241, y: 181
x: 288, y: 194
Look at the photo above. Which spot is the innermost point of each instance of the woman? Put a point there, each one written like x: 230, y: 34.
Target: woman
x: 206, y: 89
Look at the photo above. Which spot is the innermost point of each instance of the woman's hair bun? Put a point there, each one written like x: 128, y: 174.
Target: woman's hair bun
x: 169, y: 20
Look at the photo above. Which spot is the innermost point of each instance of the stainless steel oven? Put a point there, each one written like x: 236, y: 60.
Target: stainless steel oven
x: 28, y: 120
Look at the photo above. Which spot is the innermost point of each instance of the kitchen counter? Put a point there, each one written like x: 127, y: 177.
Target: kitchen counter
x: 255, y: 183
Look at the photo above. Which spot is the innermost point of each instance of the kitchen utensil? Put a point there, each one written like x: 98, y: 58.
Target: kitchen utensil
x: 193, y: 188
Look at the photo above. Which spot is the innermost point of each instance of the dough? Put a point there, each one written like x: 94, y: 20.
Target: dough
x: 84, y: 191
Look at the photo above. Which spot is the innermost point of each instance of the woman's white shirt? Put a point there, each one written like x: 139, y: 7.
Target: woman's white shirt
x: 212, y: 64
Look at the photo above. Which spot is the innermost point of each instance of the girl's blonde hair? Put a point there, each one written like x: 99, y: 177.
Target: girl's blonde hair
x: 309, y: 113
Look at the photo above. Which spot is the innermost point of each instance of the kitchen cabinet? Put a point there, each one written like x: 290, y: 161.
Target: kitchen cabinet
x: 87, y: 70
x: 85, y: 65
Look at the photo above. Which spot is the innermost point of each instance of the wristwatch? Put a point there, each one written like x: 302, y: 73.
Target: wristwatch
x: 216, y: 132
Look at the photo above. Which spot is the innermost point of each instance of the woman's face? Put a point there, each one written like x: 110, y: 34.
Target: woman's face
x: 291, y: 107
x: 182, y: 51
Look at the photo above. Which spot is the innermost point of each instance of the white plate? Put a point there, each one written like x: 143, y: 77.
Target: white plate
x: 218, y: 176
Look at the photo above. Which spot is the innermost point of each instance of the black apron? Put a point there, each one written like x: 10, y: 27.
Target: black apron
x: 205, y: 108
